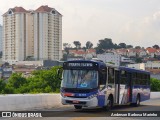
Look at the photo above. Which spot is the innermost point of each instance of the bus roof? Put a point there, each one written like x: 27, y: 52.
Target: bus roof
x: 133, y: 70
x: 102, y: 65
x: 92, y: 61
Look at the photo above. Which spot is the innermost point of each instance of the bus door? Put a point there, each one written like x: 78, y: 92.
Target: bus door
x: 129, y: 90
x: 117, y: 86
x: 123, y: 87
x: 111, y: 81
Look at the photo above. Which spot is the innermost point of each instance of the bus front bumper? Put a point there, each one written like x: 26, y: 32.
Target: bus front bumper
x: 85, y: 102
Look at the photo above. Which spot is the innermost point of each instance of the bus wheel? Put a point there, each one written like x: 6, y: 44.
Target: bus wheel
x: 137, y: 101
x: 77, y: 107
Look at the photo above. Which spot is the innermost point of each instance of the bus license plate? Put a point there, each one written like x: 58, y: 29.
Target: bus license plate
x: 75, y: 101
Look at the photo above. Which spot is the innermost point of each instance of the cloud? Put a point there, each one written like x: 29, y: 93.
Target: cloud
x: 131, y: 21
x: 143, y: 32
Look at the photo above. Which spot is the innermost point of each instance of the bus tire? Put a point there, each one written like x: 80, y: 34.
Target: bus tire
x: 137, y: 101
x: 78, y: 107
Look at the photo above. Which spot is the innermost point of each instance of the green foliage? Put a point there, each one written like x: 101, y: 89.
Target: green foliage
x: 155, y: 84
x: 41, y: 81
x: 104, y: 45
x: 16, y: 80
x: 2, y: 86
x: 139, y: 60
x: 77, y: 44
x: 107, y: 43
x: 122, y: 45
x: 89, y: 45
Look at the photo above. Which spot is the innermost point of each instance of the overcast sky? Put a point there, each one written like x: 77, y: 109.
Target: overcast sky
x: 135, y: 22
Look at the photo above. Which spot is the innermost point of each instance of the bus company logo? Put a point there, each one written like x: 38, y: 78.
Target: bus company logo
x: 6, y: 114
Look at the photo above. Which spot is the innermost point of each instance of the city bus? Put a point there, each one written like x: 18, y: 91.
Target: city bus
x: 92, y: 83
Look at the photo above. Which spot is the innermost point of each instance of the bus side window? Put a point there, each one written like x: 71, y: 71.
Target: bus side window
x: 110, y: 76
x: 134, y: 78
x: 123, y: 77
x: 137, y: 81
x: 117, y: 77
x: 148, y: 78
x: 102, y: 77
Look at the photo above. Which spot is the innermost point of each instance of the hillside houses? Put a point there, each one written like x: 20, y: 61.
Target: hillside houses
x: 148, y: 54
x: 152, y: 52
x: 81, y: 53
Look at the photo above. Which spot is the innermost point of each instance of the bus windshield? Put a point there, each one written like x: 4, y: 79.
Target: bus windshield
x: 85, y: 79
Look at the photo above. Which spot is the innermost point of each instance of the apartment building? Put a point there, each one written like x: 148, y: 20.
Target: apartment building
x: 110, y: 58
x: 1, y: 37
x: 32, y: 33
x: 47, y: 34
x: 14, y: 31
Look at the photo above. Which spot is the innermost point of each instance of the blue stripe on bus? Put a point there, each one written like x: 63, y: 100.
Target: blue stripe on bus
x: 101, y: 100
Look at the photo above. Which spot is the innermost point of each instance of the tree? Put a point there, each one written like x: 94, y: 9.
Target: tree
x: 116, y: 46
x: 155, y: 84
x: 104, y: 45
x: 129, y: 46
x: 89, y: 45
x: 122, y: 45
x: 156, y: 46
x: 16, y: 80
x: 67, y: 45
x: 137, y: 47
x: 77, y: 44
x: 138, y: 60
x: 2, y: 86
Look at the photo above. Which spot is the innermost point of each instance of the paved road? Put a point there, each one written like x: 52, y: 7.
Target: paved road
x: 69, y: 113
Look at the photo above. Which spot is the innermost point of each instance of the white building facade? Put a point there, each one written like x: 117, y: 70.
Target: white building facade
x: 1, y: 38
x: 36, y: 34
x: 148, y: 65
x: 153, y: 65
x: 47, y: 34
x: 110, y: 58
x: 140, y: 66
x: 14, y: 35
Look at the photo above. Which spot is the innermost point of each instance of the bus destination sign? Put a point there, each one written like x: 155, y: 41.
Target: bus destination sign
x: 80, y: 64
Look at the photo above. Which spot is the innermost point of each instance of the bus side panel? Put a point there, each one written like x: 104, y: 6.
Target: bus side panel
x: 103, y: 96
x: 144, y: 92
x: 135, y: 91
x: 101, y: 100
x: 123, y: 97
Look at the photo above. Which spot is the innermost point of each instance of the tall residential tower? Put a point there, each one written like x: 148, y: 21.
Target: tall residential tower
x: 1, y: 38
x: 32, y: 33
x: 47, y: 34
x: 14, y: 32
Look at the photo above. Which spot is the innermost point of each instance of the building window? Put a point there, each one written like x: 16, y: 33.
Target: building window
x: 10, y: 12
x: 53, y: 12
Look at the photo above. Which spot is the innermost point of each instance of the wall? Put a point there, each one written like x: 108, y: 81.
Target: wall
x: 33, y: 101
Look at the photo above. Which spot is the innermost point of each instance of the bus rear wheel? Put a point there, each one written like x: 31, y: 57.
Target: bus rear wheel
x: 77, y: 107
